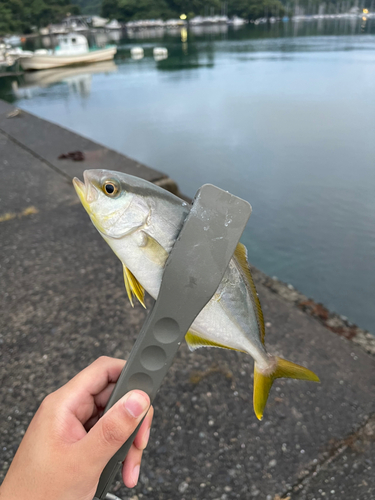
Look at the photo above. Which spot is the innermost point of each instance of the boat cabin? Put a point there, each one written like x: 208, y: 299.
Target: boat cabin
x: 72, y: 44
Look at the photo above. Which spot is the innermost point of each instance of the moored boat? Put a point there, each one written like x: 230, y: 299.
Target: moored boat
x: 72, y: 49
x: 113, y: 25
x: 13, y: 40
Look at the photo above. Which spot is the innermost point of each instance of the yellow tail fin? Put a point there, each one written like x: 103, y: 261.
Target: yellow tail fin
x: 263, y: 383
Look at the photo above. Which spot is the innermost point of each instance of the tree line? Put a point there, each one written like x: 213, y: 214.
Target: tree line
x: 128, y: 10
x: 21, y: 16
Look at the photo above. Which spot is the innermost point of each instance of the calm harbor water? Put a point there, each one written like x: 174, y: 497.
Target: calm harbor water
x: 281, y: 115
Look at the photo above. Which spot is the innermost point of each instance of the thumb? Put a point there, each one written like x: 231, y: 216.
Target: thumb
x: 114, y: 428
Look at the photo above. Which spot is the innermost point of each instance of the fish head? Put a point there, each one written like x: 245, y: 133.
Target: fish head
x: 114, y: 201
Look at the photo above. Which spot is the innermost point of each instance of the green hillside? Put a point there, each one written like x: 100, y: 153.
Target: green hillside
x: 20, y: 16
x: 89, y: 7
x: 126, y: 10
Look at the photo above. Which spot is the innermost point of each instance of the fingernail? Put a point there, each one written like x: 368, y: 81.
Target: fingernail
x: 136, y: 404
x: 135, y: 474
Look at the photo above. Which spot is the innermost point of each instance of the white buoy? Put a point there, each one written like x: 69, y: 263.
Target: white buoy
x: 137, y: 52
x: 160, y: 53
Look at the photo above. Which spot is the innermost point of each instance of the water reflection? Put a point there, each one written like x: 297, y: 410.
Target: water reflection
x: 145, y: 34
x: 219, y: 29
x: 114, y: 36
x: 101, y: 39
x: 78, y: 80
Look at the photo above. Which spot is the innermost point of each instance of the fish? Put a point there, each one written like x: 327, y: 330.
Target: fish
x: 141, y: 221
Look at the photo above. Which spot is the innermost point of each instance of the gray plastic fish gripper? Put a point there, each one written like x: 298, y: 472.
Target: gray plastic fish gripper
x: 193, y: 272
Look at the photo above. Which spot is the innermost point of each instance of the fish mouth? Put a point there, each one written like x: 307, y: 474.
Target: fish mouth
x: 80, y: 188
x: 85, y: 191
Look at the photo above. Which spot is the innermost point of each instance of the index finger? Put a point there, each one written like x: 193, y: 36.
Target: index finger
x: 93, y: 379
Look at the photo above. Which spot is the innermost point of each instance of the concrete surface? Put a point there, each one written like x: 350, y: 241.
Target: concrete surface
x: 48, y: 142
x: 64, y: 304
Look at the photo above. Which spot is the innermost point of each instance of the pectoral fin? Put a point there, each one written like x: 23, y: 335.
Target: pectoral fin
x: 133, y: 287
x: 153, y: 250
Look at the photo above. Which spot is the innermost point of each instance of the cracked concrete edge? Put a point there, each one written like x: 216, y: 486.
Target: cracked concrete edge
x: 164, y: 182
x: 334, y: 450
x: 331, y: 320
x: 158, y: 178
x: 51, y: 143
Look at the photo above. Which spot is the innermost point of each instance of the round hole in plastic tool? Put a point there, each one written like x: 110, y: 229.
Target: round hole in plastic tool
x: 153, y: 358
x: 140, y: 381
x: 166, y: 330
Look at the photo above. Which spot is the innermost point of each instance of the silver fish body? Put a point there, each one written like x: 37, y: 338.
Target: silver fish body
x: 140, y: 222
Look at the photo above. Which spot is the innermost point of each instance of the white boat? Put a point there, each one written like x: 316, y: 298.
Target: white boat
x: 9, y: 54
x: 17, y: 52
x: 72, y: 49
x: 237, y: 21
x: 175, y: 23
x: 208, y: 20
x: 57, y: 29
x: 113, y: 25
x: 196, y: 21
x: 99, y: 22
x: 76, y: 23
x: 5, y: 60
x: 12, y: 40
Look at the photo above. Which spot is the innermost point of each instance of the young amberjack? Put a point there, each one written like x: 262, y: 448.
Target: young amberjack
x: 140, y: 222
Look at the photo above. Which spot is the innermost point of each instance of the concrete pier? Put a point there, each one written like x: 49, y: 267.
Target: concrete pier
x: 63, y: 304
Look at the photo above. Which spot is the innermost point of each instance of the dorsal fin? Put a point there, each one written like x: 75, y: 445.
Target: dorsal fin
x: 241, y: 255
x: 194, y: 341
x: 133, y: 286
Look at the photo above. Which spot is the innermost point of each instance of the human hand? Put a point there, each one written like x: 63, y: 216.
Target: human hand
x: 67, y: 444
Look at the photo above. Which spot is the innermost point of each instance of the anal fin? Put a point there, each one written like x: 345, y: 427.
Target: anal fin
x: 133, y: 287
x: 194, y: 341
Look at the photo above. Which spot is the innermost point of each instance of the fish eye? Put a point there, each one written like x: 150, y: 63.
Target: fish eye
x: 111, y: 188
